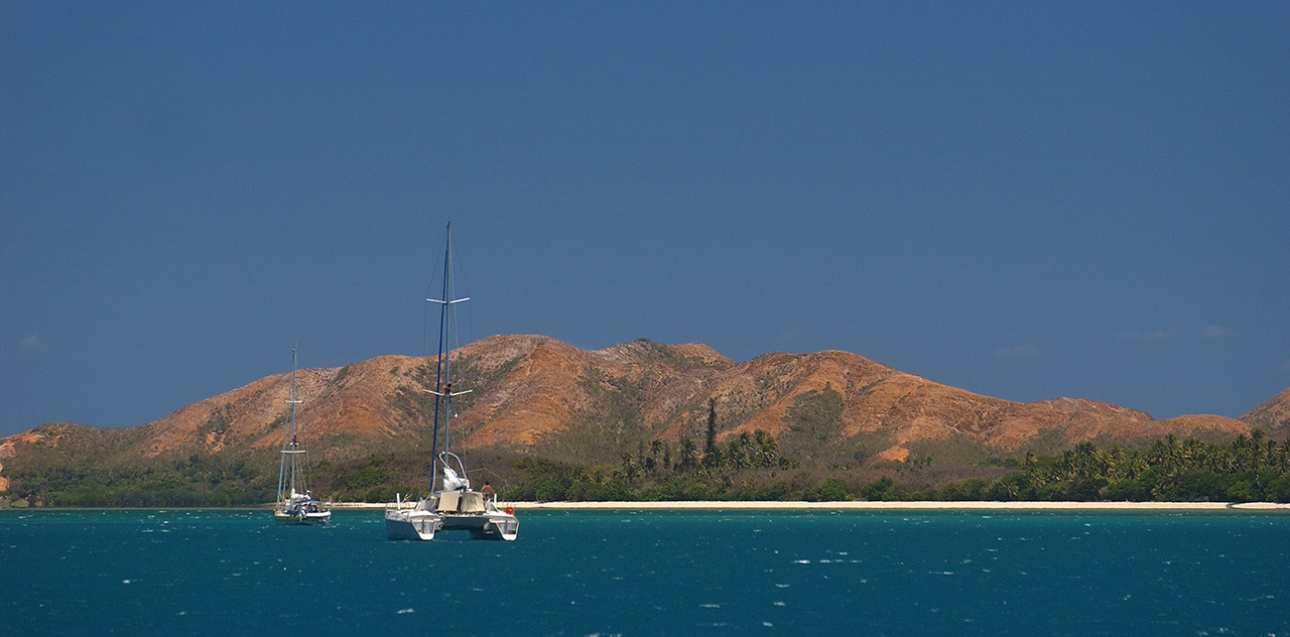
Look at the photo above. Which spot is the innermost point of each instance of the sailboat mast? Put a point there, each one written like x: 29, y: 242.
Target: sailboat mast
x: 282, y: 462
x: 443, y: 378
x: 287, y: 466
x: 291, y: 418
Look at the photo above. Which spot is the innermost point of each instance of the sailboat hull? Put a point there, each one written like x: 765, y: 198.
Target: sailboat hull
x: 411, y: 524
x: 307, y: 518
x: 484, y: 527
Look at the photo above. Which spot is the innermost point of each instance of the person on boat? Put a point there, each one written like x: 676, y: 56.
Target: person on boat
x: 487, y: 490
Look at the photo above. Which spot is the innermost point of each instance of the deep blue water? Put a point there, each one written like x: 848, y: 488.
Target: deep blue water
x: 222, y: 572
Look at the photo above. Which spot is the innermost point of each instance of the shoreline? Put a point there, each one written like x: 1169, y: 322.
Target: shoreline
x: 873, y: 506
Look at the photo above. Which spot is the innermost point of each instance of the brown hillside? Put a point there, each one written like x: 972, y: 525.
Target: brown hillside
x: 1272, y: 416
x: 543, y: 385
x: 350, y: 400
x: 532, y: 390
x: 531, y: 399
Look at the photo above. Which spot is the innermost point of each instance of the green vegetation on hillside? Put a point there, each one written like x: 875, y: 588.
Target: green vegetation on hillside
x: 748, y: 466
x: 198, y: 480
x: 1249, y: 469
x: 611, y: 420
x: 751, y: 467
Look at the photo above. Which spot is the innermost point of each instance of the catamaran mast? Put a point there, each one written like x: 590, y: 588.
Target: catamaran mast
x: 443, y: 379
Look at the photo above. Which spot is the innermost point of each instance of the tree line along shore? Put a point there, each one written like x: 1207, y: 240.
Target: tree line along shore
x: 750, y: 468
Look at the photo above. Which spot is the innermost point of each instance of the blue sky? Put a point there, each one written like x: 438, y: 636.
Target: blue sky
x: 1025, y: 200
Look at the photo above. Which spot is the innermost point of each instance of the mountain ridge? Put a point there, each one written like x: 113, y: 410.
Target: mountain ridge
x: 536, y: 394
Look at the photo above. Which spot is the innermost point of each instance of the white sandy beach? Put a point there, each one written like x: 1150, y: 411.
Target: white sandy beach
x: 881, y: 506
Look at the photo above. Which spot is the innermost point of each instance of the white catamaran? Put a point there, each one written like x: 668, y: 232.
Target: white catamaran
x: 295, y: 504
x: 455, y: 506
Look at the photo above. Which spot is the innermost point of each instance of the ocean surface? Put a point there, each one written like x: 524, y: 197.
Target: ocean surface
x: 233, y: 572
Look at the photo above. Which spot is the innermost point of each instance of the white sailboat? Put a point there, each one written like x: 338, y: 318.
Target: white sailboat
x: 295, y: 504
x: 454, y: 506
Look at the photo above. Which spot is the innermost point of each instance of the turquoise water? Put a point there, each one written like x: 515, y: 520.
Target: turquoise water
x: 222, y: 572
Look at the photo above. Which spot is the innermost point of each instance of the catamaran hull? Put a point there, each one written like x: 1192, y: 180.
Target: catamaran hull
x: 484, y: 527
x: 404, y: 524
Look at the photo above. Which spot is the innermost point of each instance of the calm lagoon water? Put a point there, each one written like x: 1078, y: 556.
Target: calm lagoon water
x: 233, y: 572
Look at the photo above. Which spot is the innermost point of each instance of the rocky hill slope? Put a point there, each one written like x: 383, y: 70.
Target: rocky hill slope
x: 536, y: 394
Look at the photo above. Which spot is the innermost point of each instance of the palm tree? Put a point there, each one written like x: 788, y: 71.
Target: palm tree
x: 689, y: 454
